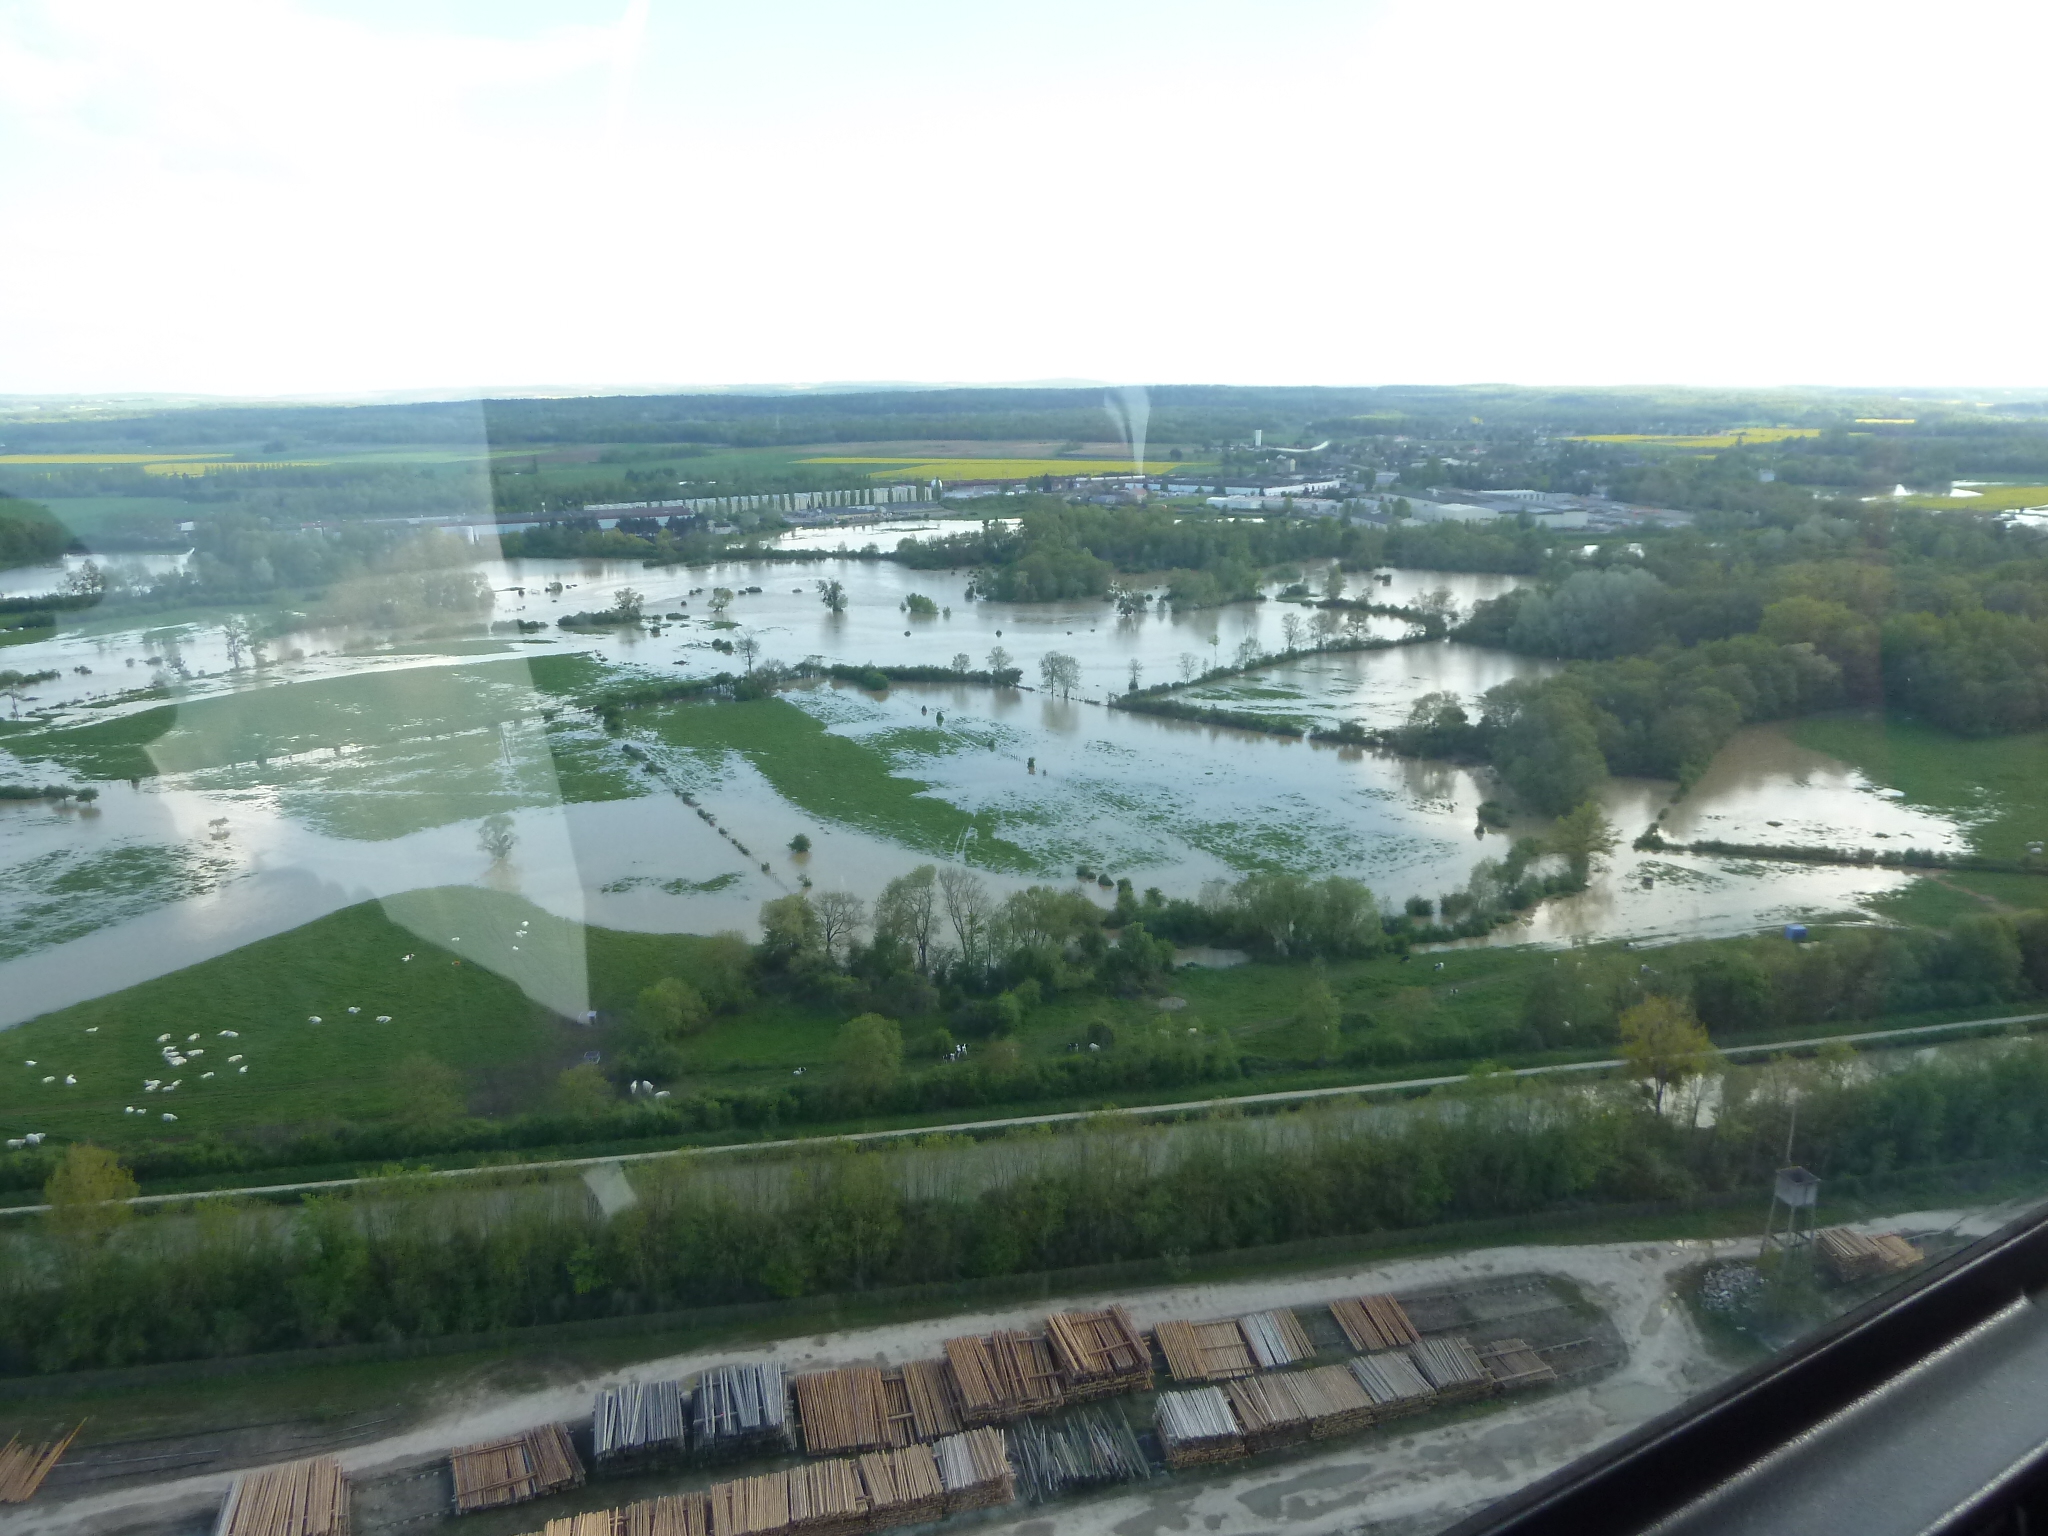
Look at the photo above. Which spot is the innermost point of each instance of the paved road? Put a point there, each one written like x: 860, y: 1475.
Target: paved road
x: 1139, y: 1111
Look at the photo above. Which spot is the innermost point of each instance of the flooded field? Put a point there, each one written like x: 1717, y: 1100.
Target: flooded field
x: 352, y: 765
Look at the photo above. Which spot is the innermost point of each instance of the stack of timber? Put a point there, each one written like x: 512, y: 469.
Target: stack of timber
x: 1393, y: 1383
x: 738, y: 1409
x: 902, y: 1487
x: 1003, y: 1376
x: 843, y: 1410
x: 1335, y: 1402
x: 1514, y: 1365
x: 1099, y: 1353
x: 750, y: 1506
x: 512, y: 1471
x: 826, y: 1497
x: 596, y: 1522
x: 1203, y: 1351
x: 1452, y: 1366
x: 639, y: 1423
x: 975, y: 1470
x: 1268, y: 1411
x: 676, y: 1514
x: 1374, y: 1323
x: 1196, y: 1427
x: 300, y: 1498
x: 23, y: 1466
x: 1275, y: 1338
x: 1852, y: 1256
x: 1089, y: 1448
x: 933, y: 1400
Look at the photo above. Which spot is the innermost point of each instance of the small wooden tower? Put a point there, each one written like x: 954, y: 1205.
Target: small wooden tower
x: 1789, y: 1226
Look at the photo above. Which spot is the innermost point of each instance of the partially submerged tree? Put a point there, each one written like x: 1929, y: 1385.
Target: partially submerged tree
x: 495, y: 836
x: 1664, y: 1045
x: 88, y: 1193
x: 1059, y: 672
x: 832, y: 593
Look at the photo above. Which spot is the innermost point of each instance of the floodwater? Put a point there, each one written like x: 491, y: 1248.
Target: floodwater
x: 196, y: 861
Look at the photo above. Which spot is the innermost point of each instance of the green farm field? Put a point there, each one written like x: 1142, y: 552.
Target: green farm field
x: 1997, y: 785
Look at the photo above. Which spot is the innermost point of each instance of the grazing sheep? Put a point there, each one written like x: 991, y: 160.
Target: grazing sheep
x: 204, y: 1076
x: 49, y: 1079
x: 233, y: 1059
x: 313, y: 1018
x: 70, y: 1081
x: 168, y: 1116
x: 241, y: 1069
x: 229, y: 1034
x: 160, y: 1039
x: 383, y: 1018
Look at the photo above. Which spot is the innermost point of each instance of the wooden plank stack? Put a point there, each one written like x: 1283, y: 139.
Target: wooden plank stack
x: 640, y: 1423
x: 1196, y: 1428
x: 1275, y: 1338
x: 1514, y: 1365
x: 1452, y: 1366
x: 684, y: 1514
x: 826, y: 1497
x: 1268, y: 1411
x: 974, y: 1468
x: 512, y: 1471
x: 738, y: 1409
x: 1393, y: 1383
x: 1336, y: 1404
x: 1098, y: 1353
x: 934, y: 1400
x: 299, y: 1498
x: 24, y: 1466
x: 842, y: 1410
x: 1852, y: 1256
x: 1374, y: 1323
x: 902, y: 1487
x: 1204, y: 1351
x: 596, y: 1522
x: 1089, y: 1448
x: 750, y: 1506
x: 1004, y: 1376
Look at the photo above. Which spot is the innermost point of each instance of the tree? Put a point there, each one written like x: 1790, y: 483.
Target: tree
x: 671, y: 1008
x: 1291, y: 626
x: 999, y: 659
x: 1189, y: 664
x: 1317, y: 1020
x: 237, y: 636
x: 627, y: 604
x: 801, y: 843
x: 1137, y: 671
x: 721, y: 599
x: 1548, y: 746
x: 907, y: 911
x: 968, y: 910
x: 832, y: 593
x: 840, y: 915
x: 1730, y: 991
x: 1333, y: 582
x: 789, y: 930
x: 870, y: 1053
x: 582, y: 1092
x: 1662, y: 1042
x: 87, y: 1194
x: 1059, y: 672
x: 1580, y: 836
x: 429, y: 1092
x: 495, y: 836
x: 962, y: 662
x: 748, y: 647
x: 87, y: 581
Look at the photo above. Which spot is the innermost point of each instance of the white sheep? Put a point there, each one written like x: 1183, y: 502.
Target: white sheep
x: 92, y: 1029
x: 169, y: 1116
x: 160, y: 1039
x: 233, y: 1059
x: 229, y: 1034
x: 408, y: 957
x: 70, y: 1081
x: 241, y: 1069
x: 383, y: 1018
x: 355, y: 1010
x: 34, y: 1138
x: 313, y: 1018
x: 28, y: 1063
x: 49, y: 1079
x: 204, y: 1076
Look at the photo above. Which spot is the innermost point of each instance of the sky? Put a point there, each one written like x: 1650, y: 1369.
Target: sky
x: 261, y: 197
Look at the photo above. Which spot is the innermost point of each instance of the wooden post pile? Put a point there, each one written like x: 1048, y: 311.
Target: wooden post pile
x: 842, y: 1410
x: 975, y: 1470
x: 640, y: 1423
x: 596, y: 1522
x: 750, y: 1506
x: 1393, y: 1383
x: 1451, y: 1366
x: 1098, y: 1353
x: 23, y: 1466
x: 512, y: 1471
x: 1275, y: 1338
x: 826, y: 1498
x: 1196, y: 1427
x: 299, y: 1498
x: 1089, y: 1448
x: 1852, y: 1256
x: 1268, y: 1412
x: 1514, y: 1365
x: 675, y: 1514
x: 933, y: 1399
x: 737, y: 1409
x: 1203, y: 1351
x: 903, y: 1487
x: 1374, y: 1323
x: 1003, y: 1376
x: 1336, y: 1403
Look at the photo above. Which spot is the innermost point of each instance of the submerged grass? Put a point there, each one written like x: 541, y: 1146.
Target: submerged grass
x: 1998, y: 785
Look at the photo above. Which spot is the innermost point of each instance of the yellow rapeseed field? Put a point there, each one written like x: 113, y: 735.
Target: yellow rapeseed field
x: 1728, y: 439
x: 99, y: 458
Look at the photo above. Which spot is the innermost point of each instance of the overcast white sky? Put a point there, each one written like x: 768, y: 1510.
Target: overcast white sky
x: 269, y: 196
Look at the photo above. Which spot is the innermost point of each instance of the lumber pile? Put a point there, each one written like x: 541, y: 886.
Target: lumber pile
x: 933, y: 1399
x: 1336, y: 1403
x: 512, y: 1471
x: 676, y: 1514
x: 842, y: 1410
x: 596, y: 1522
x: 1196, y: 1427
x: 1852, y: 1256
x: 826, y: 1497
x: 902, y: 1487
x: 1275, y: 1338
x: 24, y: 1466
x: 1374, y: 1323
x: 1268, y: 1412
x: 738, y: 1409
x: 1089, y: 1448
x: 1452, y: 1367
x: 750, y: 1506
x: 1203, y: 1351
x: 299, y: 1498
x: 639, y: 1423
x: 1514, y: 1365
x: 1098, y: 1353
x: 1393, y: 1383
x: 975, y: 1470
x: 1004, y: 1376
